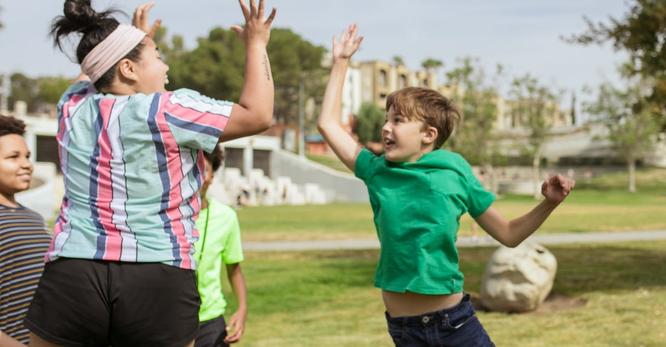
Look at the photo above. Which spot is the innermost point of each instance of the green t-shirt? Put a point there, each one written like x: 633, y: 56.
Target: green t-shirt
x: 417, y: 209
x: 219, y: 242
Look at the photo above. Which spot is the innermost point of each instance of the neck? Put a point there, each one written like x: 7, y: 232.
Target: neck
x: 204, y: 201
x: 119, y: 89
x: 8, y: 200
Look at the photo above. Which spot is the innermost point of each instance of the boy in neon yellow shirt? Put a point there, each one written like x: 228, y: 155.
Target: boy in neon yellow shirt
x: 219, y: 243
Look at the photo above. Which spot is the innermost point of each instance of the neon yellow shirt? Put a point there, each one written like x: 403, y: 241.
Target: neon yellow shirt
x: 219, y: 242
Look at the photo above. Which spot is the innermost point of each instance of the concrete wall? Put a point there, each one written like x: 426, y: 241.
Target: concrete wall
x: 338, y: 186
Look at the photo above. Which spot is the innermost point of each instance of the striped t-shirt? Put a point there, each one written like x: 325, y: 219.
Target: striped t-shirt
x: 132, y: 168
x: 23, y: 243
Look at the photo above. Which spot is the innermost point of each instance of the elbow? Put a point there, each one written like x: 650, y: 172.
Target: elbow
x: 265, y: 121
x: 510, y: 243
x: 321, y: 127
x: 325, y: 127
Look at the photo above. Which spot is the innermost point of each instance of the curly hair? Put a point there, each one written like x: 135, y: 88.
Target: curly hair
x: 11, y: 125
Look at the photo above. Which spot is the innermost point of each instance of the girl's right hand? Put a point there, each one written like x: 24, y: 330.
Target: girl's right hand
x: 256, y: 29
x: 347, y: 44
x: 140, y: 19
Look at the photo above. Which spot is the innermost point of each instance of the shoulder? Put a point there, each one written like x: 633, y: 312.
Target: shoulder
x: 187, y: 96
x: 219, y: 209
x: 367, y: 163
x: 77, y: 92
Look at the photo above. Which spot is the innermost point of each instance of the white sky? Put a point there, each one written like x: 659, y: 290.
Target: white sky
x: 524, y: 36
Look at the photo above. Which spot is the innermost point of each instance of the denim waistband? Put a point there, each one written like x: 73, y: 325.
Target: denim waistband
x: 431, y: 317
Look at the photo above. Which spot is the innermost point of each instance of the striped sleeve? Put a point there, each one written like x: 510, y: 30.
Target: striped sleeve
x: 196, y: 121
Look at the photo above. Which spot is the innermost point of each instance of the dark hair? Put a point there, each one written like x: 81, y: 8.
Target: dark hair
x: 11, y: 125
x: 216, y: 157
x: 429, y: 106
x: 80, y: 17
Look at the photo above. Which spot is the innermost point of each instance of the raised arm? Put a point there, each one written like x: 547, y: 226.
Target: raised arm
x: 512, y: 233
x: 329, y: 123
x: 254, y: 111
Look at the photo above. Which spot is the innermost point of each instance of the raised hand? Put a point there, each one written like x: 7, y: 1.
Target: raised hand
x: 557, y: 188
x: 256, y: 29
x: 348, y: 43
x: 140, y: 19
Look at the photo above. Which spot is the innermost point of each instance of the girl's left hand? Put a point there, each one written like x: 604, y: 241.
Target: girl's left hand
x: 140, y: 19
x: 556, y: 188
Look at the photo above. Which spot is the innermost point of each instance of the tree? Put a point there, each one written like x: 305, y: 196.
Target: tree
x: 475, y: 138
x: 431, y: 64
x: 50, y: 89
x: 533, y: 105
x: 630, y: 121
x: 295, y: 61
x: 641, y: 33
x: 370, y: 122
x: 398, y: 61
x: 23, y: 88
x: 216, y: 67
x: 36, y: 92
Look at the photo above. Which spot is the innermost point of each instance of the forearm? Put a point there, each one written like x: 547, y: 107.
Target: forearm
x: 329, y: 123
x: 237, y: 280
x: 8, y: 341
x: 330, y: 108
x: 511, y: 233
x: 524, y: 226
x: 257, y: 95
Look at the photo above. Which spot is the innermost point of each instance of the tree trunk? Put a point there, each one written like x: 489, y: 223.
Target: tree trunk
x: 631, y: 163
x: 536, y: 180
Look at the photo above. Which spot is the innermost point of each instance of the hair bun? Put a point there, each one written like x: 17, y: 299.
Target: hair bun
x: 80, y: 13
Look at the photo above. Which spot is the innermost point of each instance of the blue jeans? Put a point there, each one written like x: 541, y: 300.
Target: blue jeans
x: 455, y: 326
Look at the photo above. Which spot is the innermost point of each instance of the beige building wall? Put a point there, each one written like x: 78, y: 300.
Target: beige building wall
x: 380, y: 78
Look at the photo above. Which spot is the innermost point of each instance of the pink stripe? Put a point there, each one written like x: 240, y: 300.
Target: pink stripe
x: 112, y: 247
x: 174, y: 165
x: 216, y: 120
x: 71, y: 103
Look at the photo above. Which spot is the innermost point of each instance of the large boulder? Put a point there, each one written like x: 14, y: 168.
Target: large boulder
x: 518, y: 279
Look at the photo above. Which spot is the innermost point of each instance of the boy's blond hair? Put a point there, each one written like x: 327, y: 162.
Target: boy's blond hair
x: 429, y: 106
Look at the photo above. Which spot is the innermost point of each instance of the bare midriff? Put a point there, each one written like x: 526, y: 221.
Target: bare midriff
x: 413, y: 304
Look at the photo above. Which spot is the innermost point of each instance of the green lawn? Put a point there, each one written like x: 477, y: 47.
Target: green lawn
x: 327, y: 299
x: 585, y: 210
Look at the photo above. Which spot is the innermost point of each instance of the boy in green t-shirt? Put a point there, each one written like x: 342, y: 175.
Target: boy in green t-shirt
x: 418, y: 192
x: 219, y: 242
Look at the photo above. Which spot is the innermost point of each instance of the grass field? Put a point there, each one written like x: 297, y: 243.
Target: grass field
x: 327, y: 299
x: 585, y: 210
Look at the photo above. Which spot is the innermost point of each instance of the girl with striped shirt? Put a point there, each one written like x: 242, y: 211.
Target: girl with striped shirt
x: 132, y: 158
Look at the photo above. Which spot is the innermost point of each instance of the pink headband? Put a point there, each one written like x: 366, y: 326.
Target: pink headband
x: 108, y: 52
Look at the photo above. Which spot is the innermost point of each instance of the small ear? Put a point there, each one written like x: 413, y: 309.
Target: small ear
x: 127, y: 70
x: 430, y: 134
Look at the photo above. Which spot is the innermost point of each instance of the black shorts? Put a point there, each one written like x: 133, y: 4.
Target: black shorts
x: 99, y: 303
x: 212, y: 333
